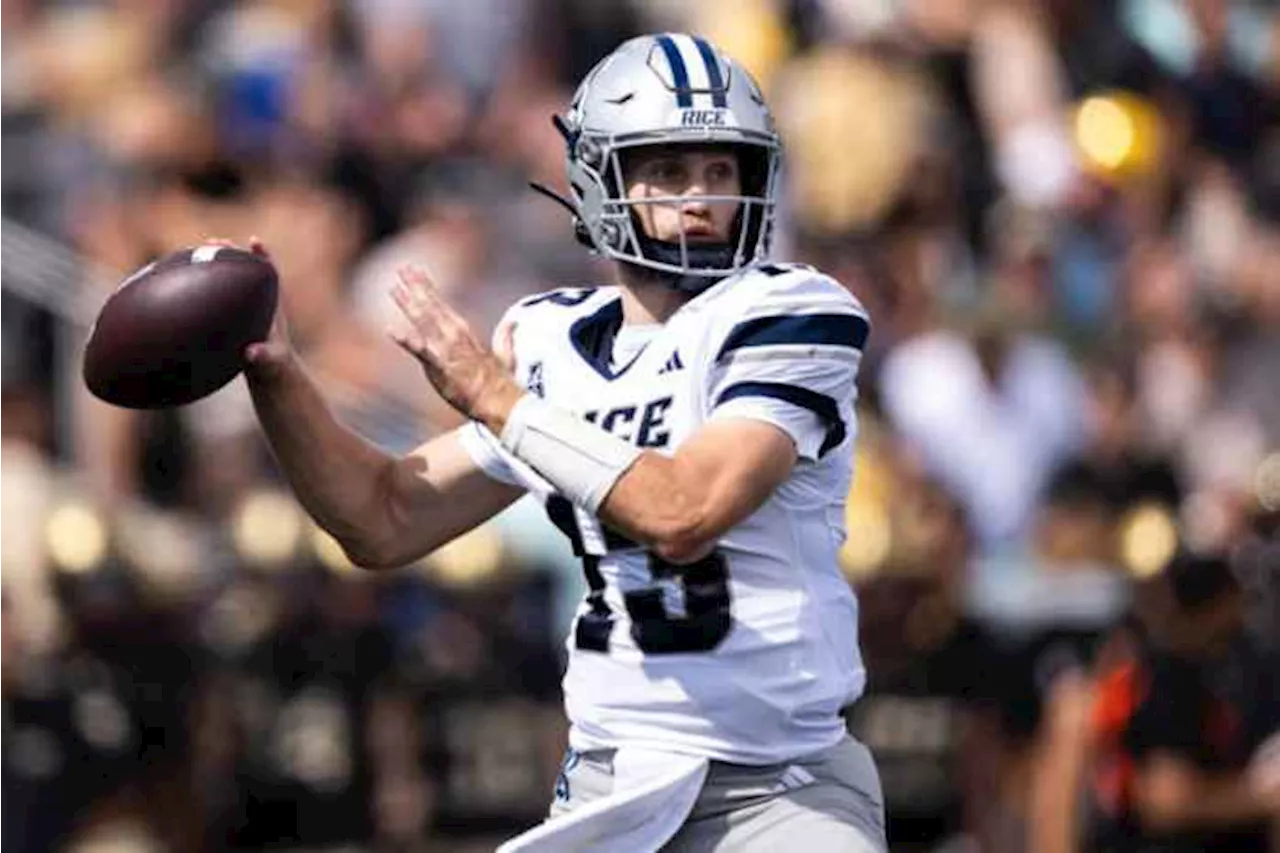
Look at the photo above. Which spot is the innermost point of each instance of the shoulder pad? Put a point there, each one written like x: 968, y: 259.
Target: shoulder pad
x: 773, y: 288
x: 543, y: 316
x: 563, y: 297
x: 556, y: 307
x: 787, y: 305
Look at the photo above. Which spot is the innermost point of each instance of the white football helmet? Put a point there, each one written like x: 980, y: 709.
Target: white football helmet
x: 660, y: 90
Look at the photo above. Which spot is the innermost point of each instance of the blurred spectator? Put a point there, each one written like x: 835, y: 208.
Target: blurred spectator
x: 486, y: 694
x: 929, y: 698
x: 29, y: 347
x: 40, y: 797
x: 1229, y: 110
x: 115, y: 697
x: 1050, y: 617
x: 992, y: 414
x: 1132, y: 468
x: 1256, y: 563
x: 297, y: 701
x: 1178, y: 720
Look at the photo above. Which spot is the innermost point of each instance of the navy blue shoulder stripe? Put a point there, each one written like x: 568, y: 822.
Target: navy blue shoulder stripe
x: 820, y: 404
x: 566, y: 297
x: 714, y: 79
x: 843, y: 330
x: 679, y: 74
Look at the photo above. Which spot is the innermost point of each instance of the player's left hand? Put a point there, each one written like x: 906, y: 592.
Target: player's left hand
x: 466, y: 372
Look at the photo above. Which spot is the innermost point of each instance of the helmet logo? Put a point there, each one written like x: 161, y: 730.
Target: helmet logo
x: 704, y: 118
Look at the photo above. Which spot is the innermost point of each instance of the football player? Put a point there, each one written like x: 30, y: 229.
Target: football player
x: 690, y: 428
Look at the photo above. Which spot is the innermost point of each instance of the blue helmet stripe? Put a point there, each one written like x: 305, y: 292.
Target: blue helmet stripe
x: 679, y: 74
x: 714, y: 79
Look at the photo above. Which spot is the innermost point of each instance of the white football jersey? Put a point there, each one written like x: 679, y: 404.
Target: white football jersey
x: 749, y: 655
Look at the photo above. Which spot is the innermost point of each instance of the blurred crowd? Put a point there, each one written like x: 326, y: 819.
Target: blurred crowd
x: 1062, y: 215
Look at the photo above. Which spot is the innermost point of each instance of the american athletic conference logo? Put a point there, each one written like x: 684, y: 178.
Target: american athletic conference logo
x: 534, y: 383
x: 571, y: 758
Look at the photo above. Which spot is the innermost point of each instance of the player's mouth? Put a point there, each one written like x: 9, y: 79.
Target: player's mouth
x: 701, y: 234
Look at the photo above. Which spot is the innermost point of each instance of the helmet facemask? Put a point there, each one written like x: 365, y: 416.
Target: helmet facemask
x: 690, y: 265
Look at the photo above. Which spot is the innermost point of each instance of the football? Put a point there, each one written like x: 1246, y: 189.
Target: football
x: 176, y: 330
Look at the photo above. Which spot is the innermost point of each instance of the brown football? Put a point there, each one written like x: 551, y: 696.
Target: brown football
x: 176, y: 330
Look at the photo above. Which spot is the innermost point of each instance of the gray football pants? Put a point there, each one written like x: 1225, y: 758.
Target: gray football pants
x: 825, y: 803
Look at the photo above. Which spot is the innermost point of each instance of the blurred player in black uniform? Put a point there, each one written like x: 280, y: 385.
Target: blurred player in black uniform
x: 1049, y: 623
x: 1179, y: 722
x: 931, y: 669
x: 485, y: 673
x: 96, y: 731
x: 41, y: 741
x: 301, y: 702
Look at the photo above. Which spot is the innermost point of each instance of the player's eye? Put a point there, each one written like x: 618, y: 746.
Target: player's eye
x: 666, y: 171
x: 721, y: 172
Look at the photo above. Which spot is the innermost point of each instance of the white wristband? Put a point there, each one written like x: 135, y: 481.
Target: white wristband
x: 577, y: 457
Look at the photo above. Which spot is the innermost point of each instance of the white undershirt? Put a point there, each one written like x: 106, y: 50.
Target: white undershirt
x: 629, y: 341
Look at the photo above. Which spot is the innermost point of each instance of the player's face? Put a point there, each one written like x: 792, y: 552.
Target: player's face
x: 690, y: 172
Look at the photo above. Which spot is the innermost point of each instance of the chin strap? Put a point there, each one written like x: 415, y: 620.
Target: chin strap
x: 579, y: 230
x: 554, y: 196
x: 713, y: 255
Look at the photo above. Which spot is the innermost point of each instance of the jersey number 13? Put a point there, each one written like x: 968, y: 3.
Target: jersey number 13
x: 705, y: 584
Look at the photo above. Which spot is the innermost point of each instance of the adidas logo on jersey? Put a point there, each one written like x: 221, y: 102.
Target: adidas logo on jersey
x: 674, y: 363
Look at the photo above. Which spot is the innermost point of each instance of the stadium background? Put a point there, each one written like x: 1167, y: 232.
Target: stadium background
x: 1062, y: 215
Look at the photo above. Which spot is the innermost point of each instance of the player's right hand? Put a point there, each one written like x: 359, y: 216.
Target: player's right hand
x: 265, y: 357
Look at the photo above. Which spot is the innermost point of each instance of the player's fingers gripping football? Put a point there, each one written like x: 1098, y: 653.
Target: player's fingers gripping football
x: 255, y: 245
x: 264, y: 355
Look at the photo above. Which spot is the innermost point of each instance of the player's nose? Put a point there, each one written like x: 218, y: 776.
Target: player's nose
x: 695, y: 198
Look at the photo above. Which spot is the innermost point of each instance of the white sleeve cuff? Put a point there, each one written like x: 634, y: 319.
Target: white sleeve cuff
x: 807, y: 430
x: 487, y: 452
